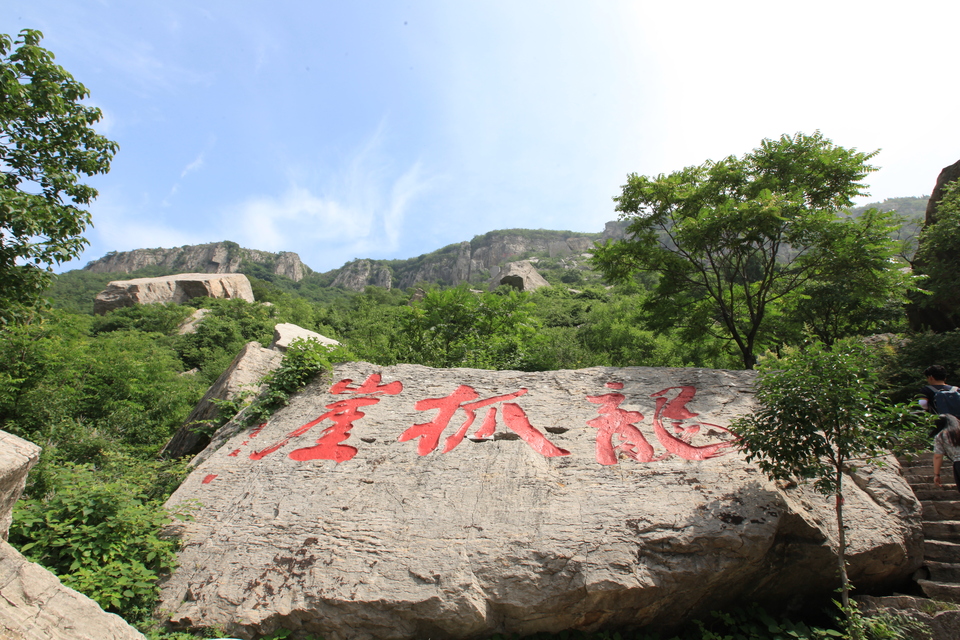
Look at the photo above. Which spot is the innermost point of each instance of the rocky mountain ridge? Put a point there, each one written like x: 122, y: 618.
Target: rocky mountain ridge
x: 475, y: 261
x: 215, y: 257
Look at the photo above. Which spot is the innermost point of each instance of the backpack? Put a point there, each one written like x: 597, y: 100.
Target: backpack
x: 947, y: 401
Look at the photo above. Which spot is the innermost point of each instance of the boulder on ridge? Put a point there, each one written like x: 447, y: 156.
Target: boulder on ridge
x: 244, y: 374
x: 404, y: 502
x: 521, y: 275
x: 176, y: 289
x: 285, y: 333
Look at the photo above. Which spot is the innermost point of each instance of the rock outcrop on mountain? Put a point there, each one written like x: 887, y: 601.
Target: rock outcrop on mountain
x: 472, y: 261
x: 407, y: 502
x: 176, y: 289
x: 360, y: 274
x: 947, y: 175
x: 33, y: 602
x: 939, y: 313
x: 243, y: 375
x: 217, y: 257
x: 520, y: 275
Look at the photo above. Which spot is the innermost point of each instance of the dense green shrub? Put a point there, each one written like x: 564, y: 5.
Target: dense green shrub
x: 100, y: 538
x: 150, y: 318
x: 461, y: 328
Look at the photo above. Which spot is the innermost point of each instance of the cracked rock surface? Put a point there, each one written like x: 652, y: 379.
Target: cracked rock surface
x: 374, y: 506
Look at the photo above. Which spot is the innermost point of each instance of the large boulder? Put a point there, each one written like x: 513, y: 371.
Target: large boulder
x: 521, y: 275
x: 33, y: 602
x: 17, y: 457
x: 176, y: 289
x: 285, y: 333
x: 243, y: 375
x: 405, y: 502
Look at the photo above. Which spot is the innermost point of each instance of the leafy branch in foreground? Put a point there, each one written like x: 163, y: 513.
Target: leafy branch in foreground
x: 47, y: 141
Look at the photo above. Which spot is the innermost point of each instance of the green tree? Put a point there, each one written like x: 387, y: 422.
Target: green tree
x: 47, y: 141
x: 819, y: 411
x: 939, y: 262
x: 461, y: 328
x: 734, y: 239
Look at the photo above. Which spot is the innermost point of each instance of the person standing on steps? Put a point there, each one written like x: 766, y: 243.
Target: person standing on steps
x: 947, y: 443
x: 937, y: 392
x: 939, y: 397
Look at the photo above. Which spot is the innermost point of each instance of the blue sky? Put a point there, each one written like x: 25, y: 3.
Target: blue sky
x: 364, y: 129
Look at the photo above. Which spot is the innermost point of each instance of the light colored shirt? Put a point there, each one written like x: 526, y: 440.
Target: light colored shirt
x: 943, y: 446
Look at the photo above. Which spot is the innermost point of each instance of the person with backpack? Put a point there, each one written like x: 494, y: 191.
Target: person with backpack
x: 938, y: 396
x: 947, y: 443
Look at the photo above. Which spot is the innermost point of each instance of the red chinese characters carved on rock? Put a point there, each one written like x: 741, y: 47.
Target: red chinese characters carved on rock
x: 343, y: 413
x: 465, y: 398
x: 616, y: 422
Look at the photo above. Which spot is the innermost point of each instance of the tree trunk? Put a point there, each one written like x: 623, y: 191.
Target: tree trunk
x: 842, y: 544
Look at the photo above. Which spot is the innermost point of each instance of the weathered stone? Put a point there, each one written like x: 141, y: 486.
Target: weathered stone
x: 176, y: 289
x: 521, y: 275
x: 359, y: 274
x: 943, y: 623
x: 377, y: 507
x: 559, y: 249
x: 243, y: 375
x: 942, y: 314
x: 190, y: 324
x: 285, y: 333
x: 947, y: 175
x: 614, y: 230
x: 17, y: 457
x: 33, y: 602
x: 217, y: 257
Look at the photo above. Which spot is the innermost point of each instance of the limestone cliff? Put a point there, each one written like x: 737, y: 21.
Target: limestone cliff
x: 216, y: 257
x: 472, y: 261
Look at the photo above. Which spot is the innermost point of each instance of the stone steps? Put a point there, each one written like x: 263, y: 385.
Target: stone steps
x: 941, y: 527
x: 942, y: 530
x: 943, y: 571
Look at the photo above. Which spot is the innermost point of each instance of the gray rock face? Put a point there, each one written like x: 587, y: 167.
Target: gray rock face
x: 359, y: 274
x: 17, y: 457
x: 407, y: 502
x: 177, y: 289
x: 218, y: 257
x: 190, y: 324
x: 457, y: 263
x: 244, y: 374
x: 33, y: 602
x: 285, y: 333
x: 521, y: 275
x: 947, y: 175
x: 614, y: 230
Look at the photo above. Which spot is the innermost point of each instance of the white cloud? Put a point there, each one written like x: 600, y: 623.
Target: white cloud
x: 359, y: 211
x: 193, y: 166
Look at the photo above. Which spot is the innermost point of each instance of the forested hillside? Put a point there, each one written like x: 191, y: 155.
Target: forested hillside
x: 725, y: 265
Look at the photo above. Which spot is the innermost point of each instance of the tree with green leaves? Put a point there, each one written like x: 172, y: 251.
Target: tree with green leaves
x: 938, y: 262
x: 462, y: 328
x: 820, y: 412
x: 735, y: 241
x: 47, y: 141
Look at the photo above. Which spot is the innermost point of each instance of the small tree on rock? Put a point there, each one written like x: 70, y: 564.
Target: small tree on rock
x: 819, y: 411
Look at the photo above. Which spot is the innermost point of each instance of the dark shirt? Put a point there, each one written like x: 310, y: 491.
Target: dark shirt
x: 930, y: 390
